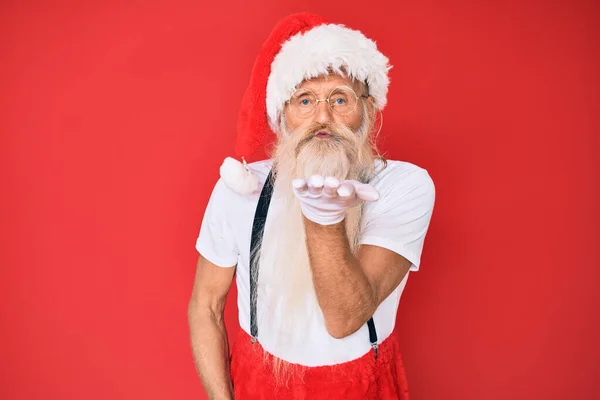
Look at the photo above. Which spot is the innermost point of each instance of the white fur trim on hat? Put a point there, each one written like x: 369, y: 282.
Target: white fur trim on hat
x: 311, y: 54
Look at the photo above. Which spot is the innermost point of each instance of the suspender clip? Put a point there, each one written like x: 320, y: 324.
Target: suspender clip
x: 375, y: 347
x: 253, y: 340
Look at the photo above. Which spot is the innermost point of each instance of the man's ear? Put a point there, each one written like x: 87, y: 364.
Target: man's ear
x: 372, y: 107
x: 373, y: 110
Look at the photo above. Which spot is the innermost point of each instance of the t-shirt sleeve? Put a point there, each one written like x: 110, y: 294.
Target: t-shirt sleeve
x: 399, y: 220
x: 216, y: 241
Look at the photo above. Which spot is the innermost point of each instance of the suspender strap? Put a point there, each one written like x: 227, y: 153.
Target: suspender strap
x: 373, y: 336
x: 258, y: 228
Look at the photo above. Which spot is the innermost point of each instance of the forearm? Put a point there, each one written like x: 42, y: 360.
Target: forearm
x: 210, y: 348
x: 345, y: 295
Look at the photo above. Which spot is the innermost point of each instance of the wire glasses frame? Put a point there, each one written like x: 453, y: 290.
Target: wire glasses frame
x: 342, y: 100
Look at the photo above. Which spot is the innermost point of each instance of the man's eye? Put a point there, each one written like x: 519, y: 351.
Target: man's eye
x: 304, y: 102
x: 340, y: 101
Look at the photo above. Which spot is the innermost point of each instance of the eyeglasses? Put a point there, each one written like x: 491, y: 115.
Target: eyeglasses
x: 342, y: 100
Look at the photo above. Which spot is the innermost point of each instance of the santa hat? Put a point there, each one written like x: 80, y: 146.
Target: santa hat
x: 300, y: 47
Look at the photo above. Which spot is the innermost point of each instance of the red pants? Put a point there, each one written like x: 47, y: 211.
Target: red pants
x: 364, y: 378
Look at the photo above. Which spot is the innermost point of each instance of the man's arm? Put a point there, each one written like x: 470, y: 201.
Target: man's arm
x: 349, y: 289
x: 207, y: 328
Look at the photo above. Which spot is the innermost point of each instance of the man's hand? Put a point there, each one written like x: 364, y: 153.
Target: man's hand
x: 325, y: 200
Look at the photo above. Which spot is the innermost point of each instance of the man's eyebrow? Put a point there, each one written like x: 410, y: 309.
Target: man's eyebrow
x: 302, y: 91
x: 325, y: 90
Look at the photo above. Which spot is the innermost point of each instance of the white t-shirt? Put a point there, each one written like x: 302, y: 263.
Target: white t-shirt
x: 398, y: 221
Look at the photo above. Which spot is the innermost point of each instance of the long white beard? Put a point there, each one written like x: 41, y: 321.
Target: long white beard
x: 285, y: 288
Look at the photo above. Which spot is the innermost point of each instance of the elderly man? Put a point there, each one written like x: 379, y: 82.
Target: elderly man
x: 322, y: 235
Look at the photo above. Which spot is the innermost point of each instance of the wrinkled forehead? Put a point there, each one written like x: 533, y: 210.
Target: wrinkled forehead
x: 324, y: 84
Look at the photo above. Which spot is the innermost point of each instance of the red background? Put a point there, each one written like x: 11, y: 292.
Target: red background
x: 115, y: 117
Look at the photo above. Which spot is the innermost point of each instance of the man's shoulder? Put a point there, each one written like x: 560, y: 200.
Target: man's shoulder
x: 396, y: 172
x: 403, y: 187
x: 261, y: 168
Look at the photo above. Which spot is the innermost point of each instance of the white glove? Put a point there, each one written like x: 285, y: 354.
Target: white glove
x: 326, y: 200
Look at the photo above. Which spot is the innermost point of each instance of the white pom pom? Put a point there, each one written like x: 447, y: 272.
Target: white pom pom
x: 238, y: 177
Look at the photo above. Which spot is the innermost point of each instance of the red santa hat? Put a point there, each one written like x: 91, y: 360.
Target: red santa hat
x: 301, y: 46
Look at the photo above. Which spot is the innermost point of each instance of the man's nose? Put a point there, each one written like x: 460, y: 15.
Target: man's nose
x: 323, y: 113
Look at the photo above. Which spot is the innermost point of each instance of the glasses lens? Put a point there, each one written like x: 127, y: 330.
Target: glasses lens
x: 303, y: 103
x: 343, y: 101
